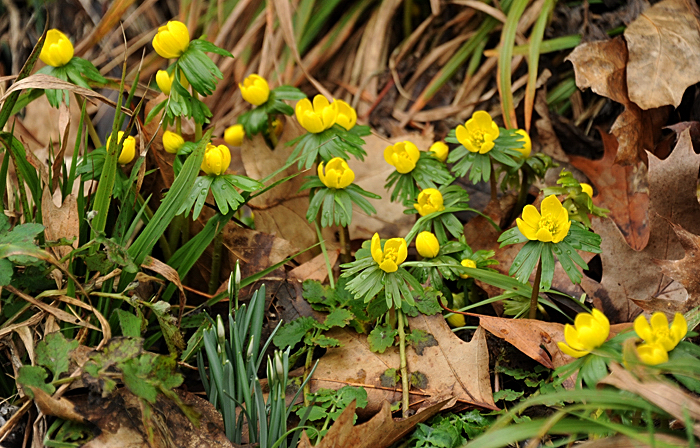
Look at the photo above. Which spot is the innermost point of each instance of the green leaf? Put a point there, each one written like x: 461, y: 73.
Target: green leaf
x: 209, y: 47
x: 291, y: 333
x: 6, y: 271
x: 199, y: 70
x: 313, y: 291
x: 316, y: 413
x: 326, y: 342
x: 420, y: 340
x: 339, y: 317
x: 507, y: 395
x: 130, y: 324
x: 53, y: 352
x: 526, y: 260
x: 34, y: 376
x: 381, y: 338
x: 168, y: 326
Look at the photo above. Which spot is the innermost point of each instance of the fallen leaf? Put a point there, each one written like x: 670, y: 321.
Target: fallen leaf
x: 452, y: 365
x: 622, y: 190
x: 664, y: 48
x: 60, y: 221
x: 686, y: 270
x: 545, y: 130
x: 56, y: 407
x: 379, y: 432
x: 315, y: 269
x: 665, y: 395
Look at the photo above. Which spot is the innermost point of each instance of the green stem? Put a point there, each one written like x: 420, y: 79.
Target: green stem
x: 325, y: 254
x: 271, y: 132
x: 535, y: 291
x: 214, y: 282
x: 197, y: 126
x: 307, y: 370
x: 492, y: 181
x: 345, y: 249
x: 178, y: 125
x: 404, y: 366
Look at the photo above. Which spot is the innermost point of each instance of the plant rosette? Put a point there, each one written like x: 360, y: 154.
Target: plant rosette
x: 325, y: 137
x: 57, y: 54
x: 333, y: 194
x: 437, y: 208
x: 578, y: 202
x: 380, y: 266
x: 415, y: 170
x: 547, y: 234
x: 443, y: 265
x: 533, y: 167
x: 180, y: 102
x: 222, y: 186
x: 481, y: 142
x: 259, y: 119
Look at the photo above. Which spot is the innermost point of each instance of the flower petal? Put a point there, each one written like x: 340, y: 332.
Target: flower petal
x: 544, y: 235
x: 642, y: 328
x: 388, y: 266
x: 531, y: 216
x: 658, y: 322
x: 527, y: 230
x: 551, y: 206
x: 679, y: 327
x: 570, y: 351
x: 376, y: 248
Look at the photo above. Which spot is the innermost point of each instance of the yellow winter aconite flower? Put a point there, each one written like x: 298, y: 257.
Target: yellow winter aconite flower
x: 128, y: 150
x: 277, y: 126
x: 172, y: 142
x: 427, y: 245
x: 57, y: 49
x: 337, y: 173
x: 347, y: 116
x: 657, y: 330
x: 429, y: 201
x: 165, y: 81
x: 587, y: 189
x: 589, y: 331
x: 551, y: 226
x: 652, y: 354
x: 171, y: 40
x: 392, y: 256
x: 402, y: 155
x: 456, y: 320
x: 440, y: 150
x: 478, y: 133
x: 234, y: 135
x: 527, y: 146
x: 316, y: 117
x: 467, y: 263
x: 216, y: 159
x: 255, y: 89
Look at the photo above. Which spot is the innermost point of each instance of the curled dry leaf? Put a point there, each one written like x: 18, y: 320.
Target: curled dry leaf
x: 664, y: 49
x: 686, y: 270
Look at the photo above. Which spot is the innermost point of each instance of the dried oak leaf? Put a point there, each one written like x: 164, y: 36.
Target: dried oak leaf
x: 687, y: 269
x: 664, y: 50
x: 621, y: 189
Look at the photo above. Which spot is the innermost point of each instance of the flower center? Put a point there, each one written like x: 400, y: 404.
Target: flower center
x: 477, y: 138
x: 661, y: 334
x: 390, y: 253
x: 547, y: 222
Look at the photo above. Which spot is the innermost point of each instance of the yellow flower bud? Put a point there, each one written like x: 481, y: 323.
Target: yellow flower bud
x: 57, y: 49
x: 427, y: 245
x: 478, y: 133
x: 277, y: 127
x: 234, y: 135
x: 551, y: 226
x: 467, y: 263
x: 171, y: 40
x: 403, y: 156
x: 172, y: 142
x: 657, y: 330
x: 216, y: 160
x: 165, y: 81
x: 456, y: 320
x: 393, y: 254
x: 440, y: 150
x: 527, y: 146
x: 347, y: 117
x: 589, y: 331
x: 316, y: 117
x: 652, y: 354
x: 128, y: 149
x: 587, y: 189
x: 337, y: 173
x: 429, y: 201
x: 255, y: 89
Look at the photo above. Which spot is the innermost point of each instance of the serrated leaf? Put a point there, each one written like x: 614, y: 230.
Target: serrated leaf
x: 130, y: 324
x: 6, y: 271
x: 339, y: 317
x: 53, y: 351
x: 381, y: 337
x: 291, y: 333
x: 34, y: 376
x: 507, y: 395
x: 168, y: 326
x: 420, y: 340
x: 326, y: 342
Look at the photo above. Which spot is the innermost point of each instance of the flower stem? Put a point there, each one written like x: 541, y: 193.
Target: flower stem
x: 345, y: 256
x: 404, y: 366
x: 307, y: 370
x: 271, y: 132
x: 216, y: 263
x: 325, y: 255
x: 535, y: 291
x: 492, y: 182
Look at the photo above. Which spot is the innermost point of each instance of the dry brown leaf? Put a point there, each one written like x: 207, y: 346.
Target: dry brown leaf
x: 622, y: 190
x: 61, y: 407
x: 670, y: 398
x: 545, y: 130
x: 686, y: 270
x: 379, y: 432
x: 664, y: 49
x: 315, y: 269
x: 255, y: 250
x: 60, y: 222
x: 452, y: 365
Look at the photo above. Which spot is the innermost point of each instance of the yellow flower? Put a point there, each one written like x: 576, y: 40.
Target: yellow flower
x: 467, y: 263
x: 429, y: 201
x: 172, y: 142
x: 392, y: 256
x: 440, y: 150
x: 57, y: 49
x: 165, y: 81
x: 551, y: 226
x: 478, y: 133
x: 527, y: 146
x: 171, y: 40
x: 589, y: 331
x: 128, y: 150
x: 427, y: 245
x: 587, y: 189
x: 652, y: 354
x: 216, y: 159
x: 456, y: 320
x: 402, y: 155
x: 255, y: 89
x: 347, y: 116
x: 337, y: 174
x: 317, y: 117
x: 659, y: 332
x: 277, y: 126
x: 234, y: 135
